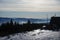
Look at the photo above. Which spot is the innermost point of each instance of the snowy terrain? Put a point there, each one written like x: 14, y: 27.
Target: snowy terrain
x: 34, y: 35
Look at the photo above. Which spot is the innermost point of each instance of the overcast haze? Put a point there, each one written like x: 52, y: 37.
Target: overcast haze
x: 29, y: 6
x: 38, y: 15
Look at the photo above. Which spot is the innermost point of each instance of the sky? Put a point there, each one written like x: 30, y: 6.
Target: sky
x: 36, y: 15
x: 27, y: 8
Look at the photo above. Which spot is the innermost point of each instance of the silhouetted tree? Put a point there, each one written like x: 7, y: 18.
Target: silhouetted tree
x: 28, y: 22
x: 11, y: 22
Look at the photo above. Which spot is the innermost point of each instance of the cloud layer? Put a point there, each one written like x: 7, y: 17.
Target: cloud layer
x: 30, y: 5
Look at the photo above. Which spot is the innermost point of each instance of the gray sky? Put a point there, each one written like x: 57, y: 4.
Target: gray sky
x: 29, y: 8
x: 30, y: 5
x: 20, y: 14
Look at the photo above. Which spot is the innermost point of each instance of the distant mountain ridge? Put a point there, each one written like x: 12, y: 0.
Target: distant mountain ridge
x: 22, y: 20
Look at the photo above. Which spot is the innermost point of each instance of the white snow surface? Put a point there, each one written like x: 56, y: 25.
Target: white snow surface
x: 34, y: 35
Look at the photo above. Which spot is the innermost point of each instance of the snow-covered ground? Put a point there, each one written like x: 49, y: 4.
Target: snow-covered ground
x: 34, y: 35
